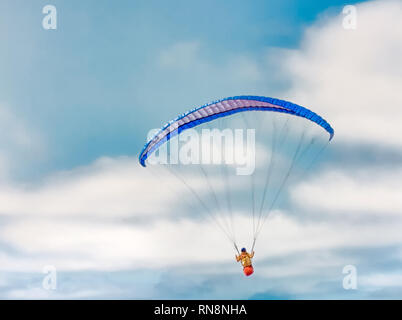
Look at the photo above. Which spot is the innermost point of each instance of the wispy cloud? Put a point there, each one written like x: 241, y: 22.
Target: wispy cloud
x: 20, y: 143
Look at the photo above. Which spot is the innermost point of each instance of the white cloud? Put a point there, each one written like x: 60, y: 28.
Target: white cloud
x: 112, y: 188
x: 97, y: 244
x: 365, y: 191
x: 353, y: 77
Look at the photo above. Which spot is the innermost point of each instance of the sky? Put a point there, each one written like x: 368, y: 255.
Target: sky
x: 76, y: 104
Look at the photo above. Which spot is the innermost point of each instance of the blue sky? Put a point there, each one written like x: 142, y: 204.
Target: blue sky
x: 76, y: 104
x: 99, y: 66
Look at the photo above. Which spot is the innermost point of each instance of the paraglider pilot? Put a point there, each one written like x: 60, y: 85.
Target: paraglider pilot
x: 245, y: 259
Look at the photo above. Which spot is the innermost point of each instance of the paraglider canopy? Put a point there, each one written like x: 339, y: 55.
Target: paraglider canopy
x: 223, y: 108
